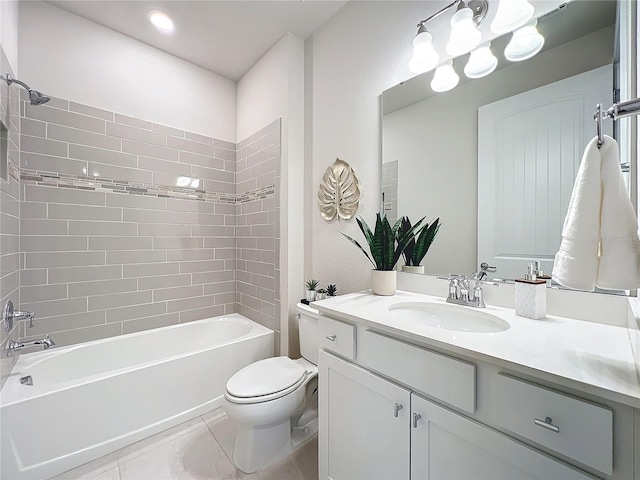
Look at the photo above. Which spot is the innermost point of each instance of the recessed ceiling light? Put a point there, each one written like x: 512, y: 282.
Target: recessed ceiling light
x: 161, y: 20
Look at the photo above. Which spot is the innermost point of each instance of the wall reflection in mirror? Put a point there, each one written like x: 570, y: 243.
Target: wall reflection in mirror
x: 496, y: 157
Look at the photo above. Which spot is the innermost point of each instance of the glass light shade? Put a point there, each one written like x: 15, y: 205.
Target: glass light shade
x: 464, y: 34
x: 511, y: 14
x: 445, y: 78
x: 425, y: 56
x: 481, y: 62
x: 524, y: 44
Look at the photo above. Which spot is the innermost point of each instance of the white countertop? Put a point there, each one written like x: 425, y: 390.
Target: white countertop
x: 587, y: 356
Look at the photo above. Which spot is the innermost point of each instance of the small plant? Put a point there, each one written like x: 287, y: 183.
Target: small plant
x: 321, y: 290
x: 332, y: 289
x: 420, y: 241
x: 385, y: 243
x: 321, y: 294
x: 312, y: 284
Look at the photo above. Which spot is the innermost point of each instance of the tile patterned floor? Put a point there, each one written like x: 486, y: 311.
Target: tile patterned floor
x: 199, y: 449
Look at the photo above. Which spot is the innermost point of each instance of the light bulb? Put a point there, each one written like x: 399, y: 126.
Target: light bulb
x: 511, y: 14
x: 445, y: 78
x: 464, y: 34
x: 161, y: 20
x: 481, y: 62
x: 425, y: 56
x: 524, y: 44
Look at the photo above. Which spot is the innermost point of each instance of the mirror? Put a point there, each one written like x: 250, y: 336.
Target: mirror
x: 436, y: 152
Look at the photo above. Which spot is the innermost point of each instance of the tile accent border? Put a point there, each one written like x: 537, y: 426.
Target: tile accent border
x: 61, y: 180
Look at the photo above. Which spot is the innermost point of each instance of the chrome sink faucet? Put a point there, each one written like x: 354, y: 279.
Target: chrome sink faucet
x: 460, y: 292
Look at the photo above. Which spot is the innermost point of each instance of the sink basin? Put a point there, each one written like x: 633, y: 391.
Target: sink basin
x: 449, y: 317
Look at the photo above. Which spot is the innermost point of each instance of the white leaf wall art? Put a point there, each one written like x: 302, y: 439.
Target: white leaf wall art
x: 339, y: 193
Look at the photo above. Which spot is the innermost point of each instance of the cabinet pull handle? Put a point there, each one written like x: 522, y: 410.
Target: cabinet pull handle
x: 546, y: 423
x: 396, y: 408
x: 416, y: 417
x: 331, y: 338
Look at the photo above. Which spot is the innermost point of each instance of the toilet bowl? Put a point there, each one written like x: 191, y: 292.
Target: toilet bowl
x: 274, y: 401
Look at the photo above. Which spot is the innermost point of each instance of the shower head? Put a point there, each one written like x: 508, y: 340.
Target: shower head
x: 35, y: 97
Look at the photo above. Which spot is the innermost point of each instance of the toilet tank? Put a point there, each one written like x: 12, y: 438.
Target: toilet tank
x: 308, y: 332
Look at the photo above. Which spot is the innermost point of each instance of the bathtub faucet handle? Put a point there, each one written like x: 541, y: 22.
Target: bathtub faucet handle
x: 9, y: 315
x: 20, y: 315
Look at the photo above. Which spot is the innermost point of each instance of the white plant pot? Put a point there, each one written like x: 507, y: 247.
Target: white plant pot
x: 413, y: 269
x: 320, y: 296
x: 311, y: 295
x: 384, y: 282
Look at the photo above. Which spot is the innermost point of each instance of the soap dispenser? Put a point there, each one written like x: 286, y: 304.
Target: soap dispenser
x: 531, y: 295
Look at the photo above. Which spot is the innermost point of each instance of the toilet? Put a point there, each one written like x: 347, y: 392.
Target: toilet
x: 274, y: 402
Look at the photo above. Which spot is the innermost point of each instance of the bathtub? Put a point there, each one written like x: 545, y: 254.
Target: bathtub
x: 91, y: 399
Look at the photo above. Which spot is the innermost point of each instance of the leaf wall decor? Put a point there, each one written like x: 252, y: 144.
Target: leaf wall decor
x: 339, y: 193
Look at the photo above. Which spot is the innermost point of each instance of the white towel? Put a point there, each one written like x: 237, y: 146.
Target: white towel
x: 600, y: 244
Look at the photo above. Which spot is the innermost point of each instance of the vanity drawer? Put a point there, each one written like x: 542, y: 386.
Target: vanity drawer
x: 444, y: 378
x: 578, y: 429
x: 338, y: 337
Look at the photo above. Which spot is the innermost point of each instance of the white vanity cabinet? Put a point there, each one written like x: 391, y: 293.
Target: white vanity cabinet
x: 391, y: 409
x: 447, y: 445
x: 364, y: 420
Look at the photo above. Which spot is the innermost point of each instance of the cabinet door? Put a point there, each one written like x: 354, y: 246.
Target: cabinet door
x: 364, y: 423
x: 446, y: 445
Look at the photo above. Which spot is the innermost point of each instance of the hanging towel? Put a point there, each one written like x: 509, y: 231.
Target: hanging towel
x: 600, y: 244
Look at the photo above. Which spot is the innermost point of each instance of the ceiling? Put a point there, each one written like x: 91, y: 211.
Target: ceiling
x: 226, y: 37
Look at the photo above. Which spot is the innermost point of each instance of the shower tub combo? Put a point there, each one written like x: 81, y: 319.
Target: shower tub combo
x: 91, y: 399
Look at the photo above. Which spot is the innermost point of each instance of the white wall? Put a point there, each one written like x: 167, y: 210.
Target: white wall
x: 274, y: 88
x: 69, y: 57
x: 363, y: 50
x: 9, y: 32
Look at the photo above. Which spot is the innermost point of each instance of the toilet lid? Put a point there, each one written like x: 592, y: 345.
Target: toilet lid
x: 265, y: 377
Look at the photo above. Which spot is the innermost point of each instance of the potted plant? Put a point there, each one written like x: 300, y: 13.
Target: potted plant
x: 419, y: 244
x: 321, y: 294
x: 331, y: 290
x: 311, y: 285
x: 385, y: 246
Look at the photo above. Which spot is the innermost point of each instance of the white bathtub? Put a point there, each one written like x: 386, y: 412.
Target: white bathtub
x: 91, y: 399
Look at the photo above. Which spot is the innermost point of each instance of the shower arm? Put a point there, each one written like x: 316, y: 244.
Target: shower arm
x: 11, y: 80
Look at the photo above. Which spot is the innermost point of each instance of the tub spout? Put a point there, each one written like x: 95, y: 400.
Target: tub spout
x: 13, y: 346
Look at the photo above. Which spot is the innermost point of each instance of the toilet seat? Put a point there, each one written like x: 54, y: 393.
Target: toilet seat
x: 265, y: 380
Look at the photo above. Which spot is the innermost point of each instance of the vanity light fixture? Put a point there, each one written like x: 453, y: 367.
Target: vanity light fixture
x: 481, y: 62
x: 524, y: 44
x: 465, y: 35
x: 425, y: 56
x: 161, y: 20
x: 445, y: 78
x: 511, y: 14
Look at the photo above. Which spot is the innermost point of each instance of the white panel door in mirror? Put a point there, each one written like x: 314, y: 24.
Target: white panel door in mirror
x: 529, y: 150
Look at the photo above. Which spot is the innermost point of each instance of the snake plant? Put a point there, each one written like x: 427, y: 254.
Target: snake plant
x: 385, y: 243
x: 420, y: 241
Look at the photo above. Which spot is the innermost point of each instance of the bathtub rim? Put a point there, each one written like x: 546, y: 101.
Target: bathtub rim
x: 32, y: 359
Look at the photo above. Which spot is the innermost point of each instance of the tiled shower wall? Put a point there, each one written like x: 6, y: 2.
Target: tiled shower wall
x: 9, y: 208
x: 126, y: 225
x: 258, y: 238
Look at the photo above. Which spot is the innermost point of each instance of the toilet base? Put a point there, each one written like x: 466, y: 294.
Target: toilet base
x: 257, y: 448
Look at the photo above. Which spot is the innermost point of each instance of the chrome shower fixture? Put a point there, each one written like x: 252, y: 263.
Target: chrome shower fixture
x: 35, y: 97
